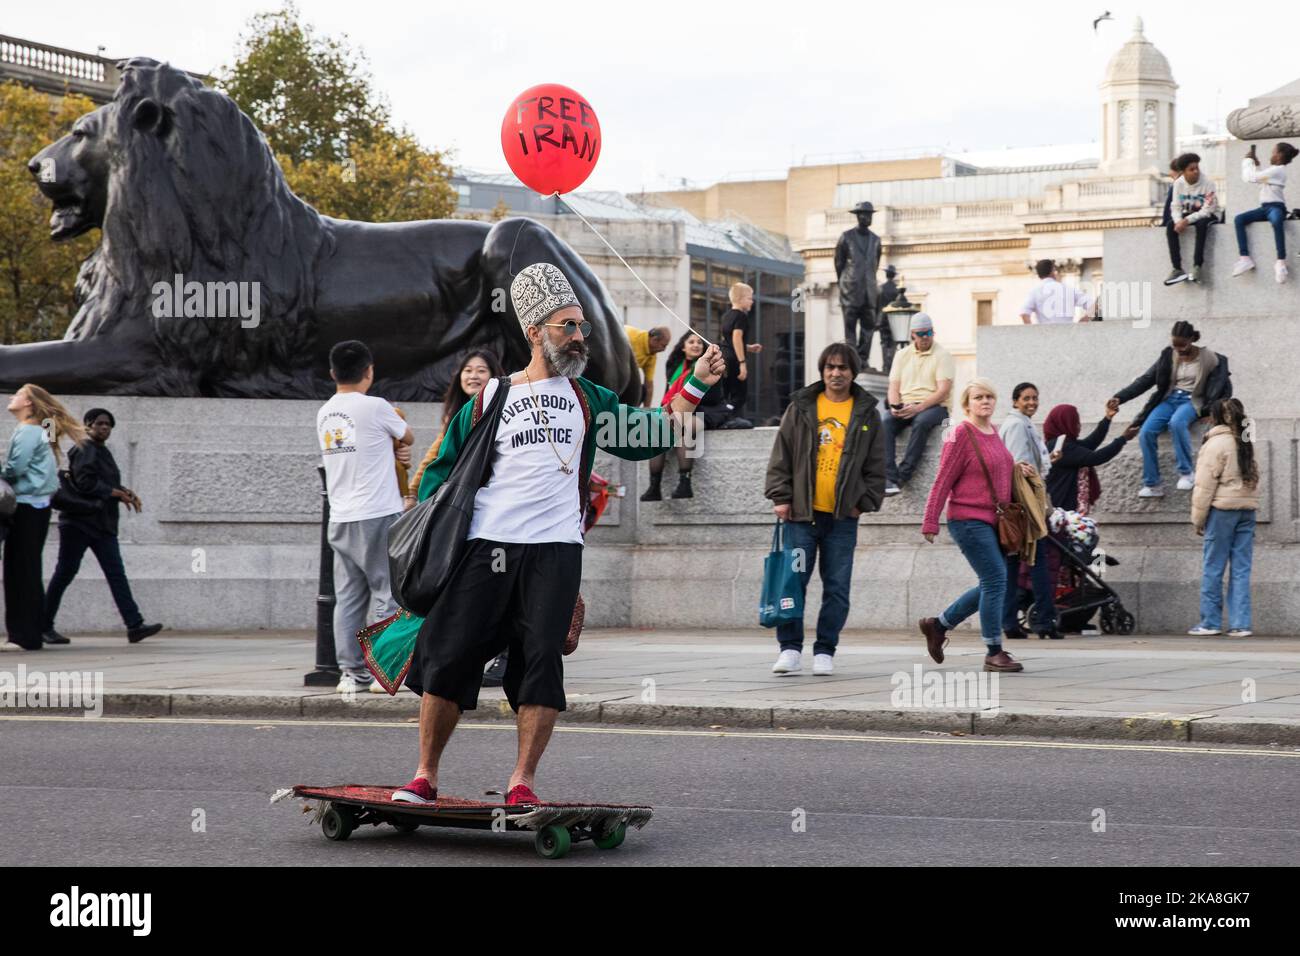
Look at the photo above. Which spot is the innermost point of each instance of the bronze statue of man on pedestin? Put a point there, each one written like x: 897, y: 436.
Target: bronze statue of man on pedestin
x: 857, y: 257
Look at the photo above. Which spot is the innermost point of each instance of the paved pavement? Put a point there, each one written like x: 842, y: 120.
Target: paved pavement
x: 1209, y: 690
x: 166, y: 791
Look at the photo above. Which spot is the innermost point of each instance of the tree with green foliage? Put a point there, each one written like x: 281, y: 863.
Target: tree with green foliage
x: 37, y: 276
x: 314, y: 99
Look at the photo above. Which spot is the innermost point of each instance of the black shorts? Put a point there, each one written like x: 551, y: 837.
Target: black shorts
x: 515, y: 596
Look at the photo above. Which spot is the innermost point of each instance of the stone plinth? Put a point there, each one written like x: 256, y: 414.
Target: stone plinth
x: 230, y: 541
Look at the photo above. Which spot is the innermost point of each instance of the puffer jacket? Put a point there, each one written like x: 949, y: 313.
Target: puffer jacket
x: 1218, y: 478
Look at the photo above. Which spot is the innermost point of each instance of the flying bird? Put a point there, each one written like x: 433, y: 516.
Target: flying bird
x: 1104, y: 16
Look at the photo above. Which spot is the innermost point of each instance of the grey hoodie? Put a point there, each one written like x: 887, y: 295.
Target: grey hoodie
x: 1022, y: 440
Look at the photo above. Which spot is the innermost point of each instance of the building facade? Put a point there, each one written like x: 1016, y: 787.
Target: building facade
x: 964, y: 231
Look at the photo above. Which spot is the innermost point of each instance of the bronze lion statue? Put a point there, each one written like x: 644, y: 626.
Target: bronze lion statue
x: 186, y: 191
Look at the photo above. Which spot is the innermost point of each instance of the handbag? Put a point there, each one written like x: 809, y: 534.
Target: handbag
x: 425, y: 544
x: 782, y: 598
x: 1012, y: 521
x: 8, y: 500
x: 69, y: 500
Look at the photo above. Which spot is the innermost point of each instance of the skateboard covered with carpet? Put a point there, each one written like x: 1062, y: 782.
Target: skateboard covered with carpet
x: 557, y: 826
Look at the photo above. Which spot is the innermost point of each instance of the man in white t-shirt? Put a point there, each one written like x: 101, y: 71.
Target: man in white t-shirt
x: 515, y: 586
x: 1054, y: 302
x: 356, y: 433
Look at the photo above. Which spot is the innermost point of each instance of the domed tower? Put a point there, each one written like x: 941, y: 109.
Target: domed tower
x: 1137, y: 109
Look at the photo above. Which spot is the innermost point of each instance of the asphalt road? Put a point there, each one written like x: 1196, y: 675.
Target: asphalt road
x: 126, y: 791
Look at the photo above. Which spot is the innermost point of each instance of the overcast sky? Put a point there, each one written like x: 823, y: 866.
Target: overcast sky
x: 702, y: 91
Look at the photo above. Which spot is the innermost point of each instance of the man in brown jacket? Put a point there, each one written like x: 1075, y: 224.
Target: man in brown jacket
x: 827, y: 468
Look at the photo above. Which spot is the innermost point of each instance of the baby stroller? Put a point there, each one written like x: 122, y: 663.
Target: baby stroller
x: 1077, y: 567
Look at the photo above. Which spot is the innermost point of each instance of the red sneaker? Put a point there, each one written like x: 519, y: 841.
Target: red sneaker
x: 520, y: 794
x: 418, y: 790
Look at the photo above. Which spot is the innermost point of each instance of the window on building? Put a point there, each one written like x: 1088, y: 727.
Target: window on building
x: 983, y: 310
x: 776, y: 371
x: 462, y: 195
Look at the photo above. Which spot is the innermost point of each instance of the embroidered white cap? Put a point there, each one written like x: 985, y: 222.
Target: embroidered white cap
x: 538, y: 292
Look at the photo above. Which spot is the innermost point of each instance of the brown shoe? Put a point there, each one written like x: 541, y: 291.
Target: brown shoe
x: 935, y: 637
x: 1002, y: 661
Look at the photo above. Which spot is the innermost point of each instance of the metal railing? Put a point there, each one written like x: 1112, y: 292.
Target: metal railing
x: 55, y: 60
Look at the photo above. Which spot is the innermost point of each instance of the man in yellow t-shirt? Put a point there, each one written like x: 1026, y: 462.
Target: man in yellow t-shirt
x: 827, y: 469
x: 832, y: 422
x: 646, y: 346
x: 920, y: 393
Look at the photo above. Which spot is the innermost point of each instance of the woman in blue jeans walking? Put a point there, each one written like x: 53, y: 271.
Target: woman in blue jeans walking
x: 973, y: 458
x: 1223, y: 510
x: 1187, y: 379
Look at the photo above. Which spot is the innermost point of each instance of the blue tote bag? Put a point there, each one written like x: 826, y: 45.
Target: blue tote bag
x: 782, y: 599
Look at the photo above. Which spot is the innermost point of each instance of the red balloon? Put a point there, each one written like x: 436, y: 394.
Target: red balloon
x: 551, y: 138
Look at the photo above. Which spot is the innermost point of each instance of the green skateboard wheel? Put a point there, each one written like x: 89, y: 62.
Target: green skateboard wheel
x: 608, y: 839
x: 552, y: 842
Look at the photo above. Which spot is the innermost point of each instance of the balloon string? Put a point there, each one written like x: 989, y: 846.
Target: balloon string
x: 638, y: 278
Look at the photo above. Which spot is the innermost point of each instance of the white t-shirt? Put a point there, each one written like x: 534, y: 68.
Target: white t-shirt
x: 529, y: 500
x: 356, y: 435
x: 1054, y: 302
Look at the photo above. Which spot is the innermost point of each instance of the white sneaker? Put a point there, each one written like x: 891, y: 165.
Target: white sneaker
x: 351, y: 685
x: 891, y: 490
x: 1152, y: 491
x: 1199, y: 631
x: 789, y: 662
x: 377, y: 688
x: 823, y: 665
x: 11, y: 647
x: 1186, y: 483
x: 1240, y: 632
x: 1244, y: 265
x: 1279, y: 271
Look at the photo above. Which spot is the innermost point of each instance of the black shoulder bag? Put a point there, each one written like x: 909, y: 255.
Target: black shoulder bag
x: 426, y: 543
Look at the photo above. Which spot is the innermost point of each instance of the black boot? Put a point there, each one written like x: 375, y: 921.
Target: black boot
x: 653, y: 493
x: 683, y: 489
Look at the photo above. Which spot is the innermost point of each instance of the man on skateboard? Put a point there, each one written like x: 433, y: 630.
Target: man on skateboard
x: 517, y: 583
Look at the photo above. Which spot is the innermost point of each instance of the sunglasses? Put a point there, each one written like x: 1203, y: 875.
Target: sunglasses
x: 924, y: 335
x: 571, y: 326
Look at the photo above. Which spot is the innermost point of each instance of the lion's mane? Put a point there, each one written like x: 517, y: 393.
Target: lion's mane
x: 201, y: 195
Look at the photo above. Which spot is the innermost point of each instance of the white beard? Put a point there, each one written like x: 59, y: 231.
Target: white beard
x: 560, y: 362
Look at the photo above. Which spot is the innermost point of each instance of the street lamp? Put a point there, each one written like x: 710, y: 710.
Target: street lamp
x: 899, y: 313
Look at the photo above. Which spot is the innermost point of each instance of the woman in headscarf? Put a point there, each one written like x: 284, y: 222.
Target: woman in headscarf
x: 1072, y: 483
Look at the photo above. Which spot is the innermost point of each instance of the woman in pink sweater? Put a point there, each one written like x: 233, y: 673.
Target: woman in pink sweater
x: 963, y: 486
